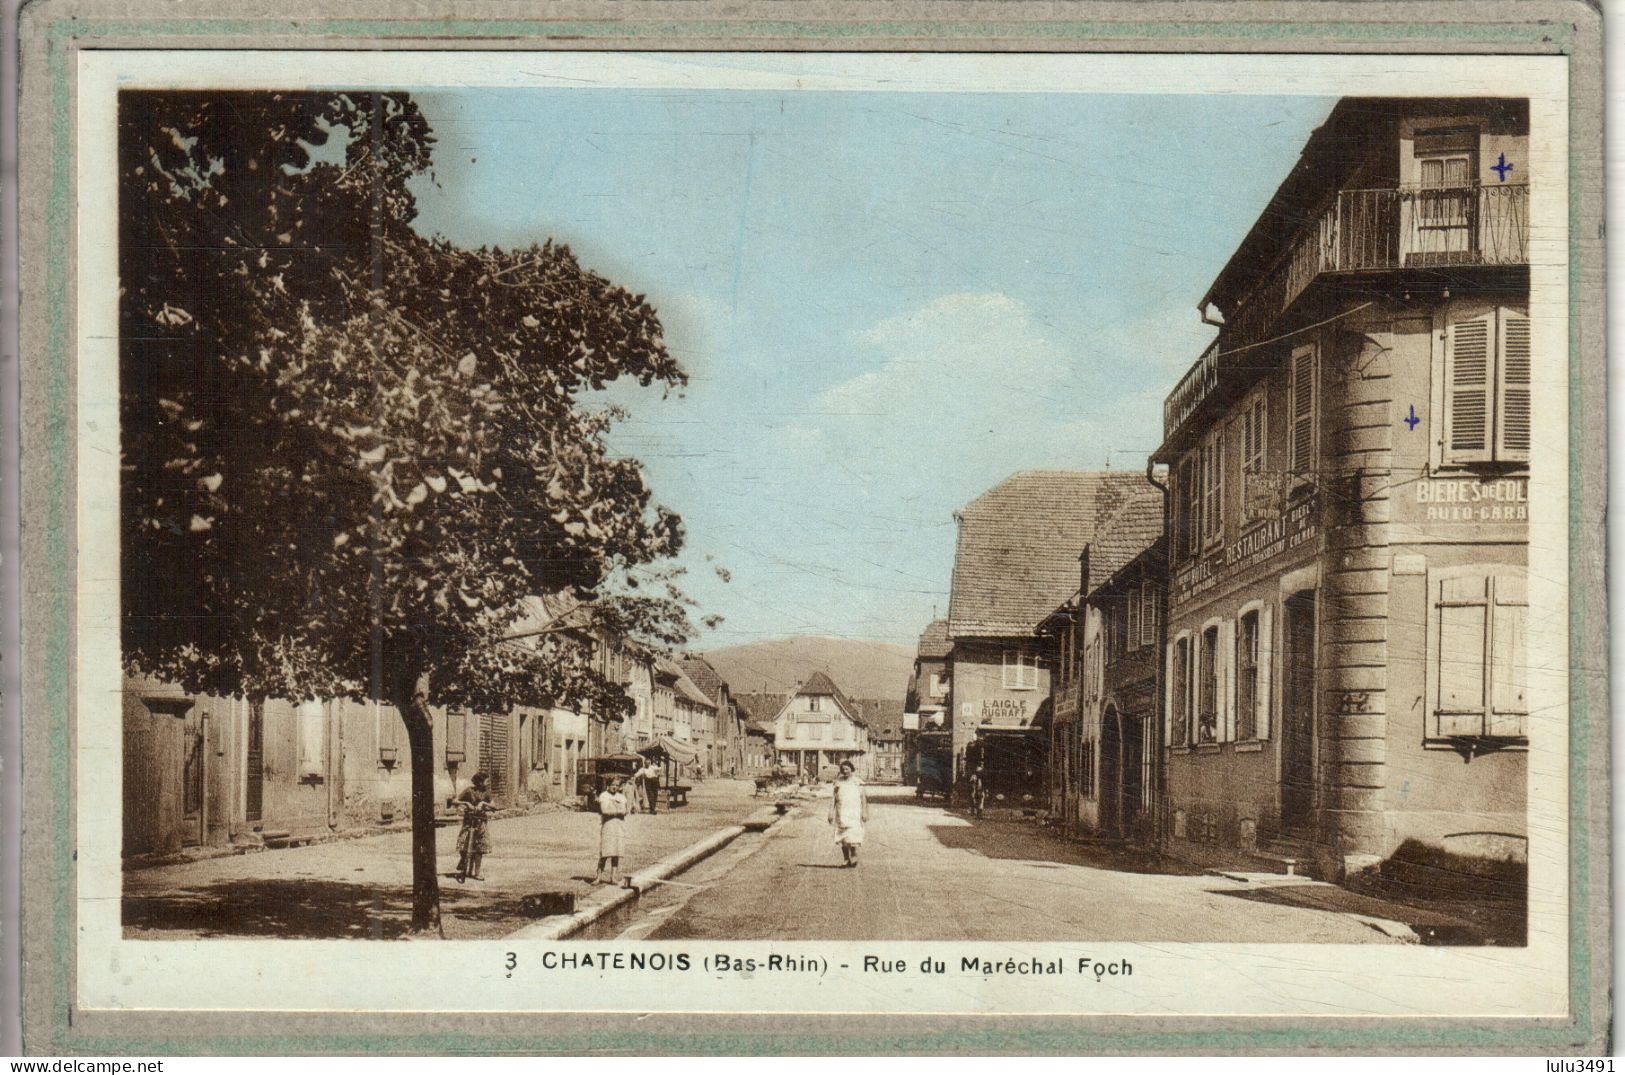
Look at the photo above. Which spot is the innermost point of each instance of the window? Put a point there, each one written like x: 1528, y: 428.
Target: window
x: 837, y: 731
x: 1150, y: 615
x: 1086, y: 769
x: 815, y: 704
x: 1257, y: 492
x: 1187, y: 534
x: 1486, y: 389
x: 1179, y: 694
x: 1247, y: 695
x: 1136, y: 613
x: 1301, y: 428
x: 312, y: 739
x: 1207, y: 687
x: 1478, y: 649
x: 1020, y: 671
x: 1213, y: 490
x: 814, y: 732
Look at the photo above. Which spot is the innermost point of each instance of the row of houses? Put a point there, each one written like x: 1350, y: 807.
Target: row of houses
x: 1301, y: 632
x: 201, y: 770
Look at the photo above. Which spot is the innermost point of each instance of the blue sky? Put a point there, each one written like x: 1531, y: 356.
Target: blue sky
x: 886, y: 302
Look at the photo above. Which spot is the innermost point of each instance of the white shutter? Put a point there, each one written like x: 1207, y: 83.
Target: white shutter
x: 1467, y: 390
x: 1227, y: 681
x: 1266, y: 662
x: 1168, y: 697
x: 1301, y: 430
x: 1462, y: 615
x: 1512, y: 390
x: 1508, y: 690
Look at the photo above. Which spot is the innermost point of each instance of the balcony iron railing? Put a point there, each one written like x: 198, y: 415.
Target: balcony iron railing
x: 1369, y: 231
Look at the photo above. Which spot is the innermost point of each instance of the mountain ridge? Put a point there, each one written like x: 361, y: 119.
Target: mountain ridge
x: 861, y: 668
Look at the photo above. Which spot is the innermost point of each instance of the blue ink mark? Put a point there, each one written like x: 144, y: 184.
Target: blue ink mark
x: 1411, y: 420
x: 1501, y: 167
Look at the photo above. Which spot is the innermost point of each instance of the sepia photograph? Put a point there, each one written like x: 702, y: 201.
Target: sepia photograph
x: 751, y: 532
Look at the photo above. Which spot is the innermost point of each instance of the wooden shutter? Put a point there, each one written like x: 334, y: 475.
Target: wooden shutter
x: 1227, y: 681
x: 1462, y: 618
x: 1467, y: 390
x: 1168, y: 698
x: 1509, y: 698
x: 1302, y: 427
x: 1266, y: 660
x: 1513, y: 417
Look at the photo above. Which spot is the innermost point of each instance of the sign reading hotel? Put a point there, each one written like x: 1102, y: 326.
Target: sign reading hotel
x: 1470, y: 500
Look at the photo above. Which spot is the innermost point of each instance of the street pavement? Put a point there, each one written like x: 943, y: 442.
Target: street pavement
x: 362, y: 887
x: 930, y: 874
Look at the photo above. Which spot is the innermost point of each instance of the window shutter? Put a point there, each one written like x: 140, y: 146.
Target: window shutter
x: 1266, y: 661
x: 1509, y: 699
x: 1512, y: 429
x: 1227, y: 681
x: 1463, y: 622
x: 1467, y: 391
x: 1303, y: 411
x: 1168, y: 698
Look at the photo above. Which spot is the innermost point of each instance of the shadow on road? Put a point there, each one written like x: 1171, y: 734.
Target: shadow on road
x: 303, y: 908
x: 1489, y: 923
x: 1022, y: 840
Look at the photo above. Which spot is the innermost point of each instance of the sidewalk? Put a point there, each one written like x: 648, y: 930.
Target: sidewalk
x: 362, y: 888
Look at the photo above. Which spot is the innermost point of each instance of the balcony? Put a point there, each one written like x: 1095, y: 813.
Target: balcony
x: 1365, y: 231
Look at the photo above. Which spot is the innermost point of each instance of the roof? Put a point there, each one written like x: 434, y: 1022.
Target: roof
x: 1017, y: 554
x: 818, y: 683
x: 760, y: 707
x: 884, y: 716
x: 683, y: 686
x: 704, y: 676
x: 1132, y: 528
x: 934, y: 640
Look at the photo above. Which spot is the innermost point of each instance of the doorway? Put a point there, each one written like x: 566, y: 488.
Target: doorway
x: 1111, y: 784
x: 1133, y: 758
x: 254, y: 792
x: 1298, y: 715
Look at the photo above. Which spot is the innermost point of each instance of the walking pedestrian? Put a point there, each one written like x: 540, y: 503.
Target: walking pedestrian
x: 848, y: 811
x: 612, y: 810
x: 474, y: 841
x: 650, y: 776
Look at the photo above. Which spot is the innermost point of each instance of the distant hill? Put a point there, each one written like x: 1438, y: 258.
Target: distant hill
x: 860, y: 669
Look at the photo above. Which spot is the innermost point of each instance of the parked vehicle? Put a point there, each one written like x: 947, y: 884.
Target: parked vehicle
x: 934, y: 765
x: 592, y: 775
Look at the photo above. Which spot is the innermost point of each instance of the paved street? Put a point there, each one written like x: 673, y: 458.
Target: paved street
x: 362, y: 887
x: 930, y: 874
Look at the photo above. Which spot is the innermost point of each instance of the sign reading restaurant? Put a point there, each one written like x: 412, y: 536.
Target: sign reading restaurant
x: 1282, y: 533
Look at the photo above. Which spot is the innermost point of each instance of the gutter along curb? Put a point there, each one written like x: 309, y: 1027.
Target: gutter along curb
x: 562, y: 928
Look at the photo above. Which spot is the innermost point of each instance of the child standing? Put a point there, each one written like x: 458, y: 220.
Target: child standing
x: 611, y: 829
x: 474, y: 841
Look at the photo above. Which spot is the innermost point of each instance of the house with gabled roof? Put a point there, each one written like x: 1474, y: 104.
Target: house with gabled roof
x: 1015, y: 561
x: 1104, y: 734
x: 729, y: 733
x: 818, y: 727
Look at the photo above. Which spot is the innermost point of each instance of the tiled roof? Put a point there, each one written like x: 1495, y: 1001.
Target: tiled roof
x: 934, y: 640
x: 760, y: 707
x: 884, y: 717
x: 704, y: 676
x: 818, y: 683
x: 1017, y: 553
x: 1131, y: 529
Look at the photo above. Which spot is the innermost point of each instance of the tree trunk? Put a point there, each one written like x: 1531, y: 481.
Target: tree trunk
x: 414, y: 708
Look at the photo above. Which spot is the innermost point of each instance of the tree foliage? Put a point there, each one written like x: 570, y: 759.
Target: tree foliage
x: 350, y: 452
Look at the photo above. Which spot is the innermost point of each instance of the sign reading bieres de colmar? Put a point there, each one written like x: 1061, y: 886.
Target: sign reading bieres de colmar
x: 1474, y: 501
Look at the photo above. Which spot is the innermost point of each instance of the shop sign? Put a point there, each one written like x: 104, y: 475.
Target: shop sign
x: 1004, y: 711
x: 1472, y: 500
x: 1297, y: 524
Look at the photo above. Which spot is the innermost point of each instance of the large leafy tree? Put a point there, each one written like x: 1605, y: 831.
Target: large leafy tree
x: 350, y: 452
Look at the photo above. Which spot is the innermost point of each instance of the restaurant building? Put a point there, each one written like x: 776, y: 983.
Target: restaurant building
x: 1348, y: 460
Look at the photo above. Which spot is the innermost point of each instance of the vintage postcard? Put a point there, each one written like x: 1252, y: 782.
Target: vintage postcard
x: 775, y: 526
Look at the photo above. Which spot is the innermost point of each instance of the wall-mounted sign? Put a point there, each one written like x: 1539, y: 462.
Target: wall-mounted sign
x: 1004, y: 710
x: 1474, y: 500
x: 1287, y: 530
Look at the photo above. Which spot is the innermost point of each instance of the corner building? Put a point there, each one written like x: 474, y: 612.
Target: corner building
x: 1345, y: 647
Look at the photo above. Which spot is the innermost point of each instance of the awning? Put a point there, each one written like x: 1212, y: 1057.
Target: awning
x: 675, y: 749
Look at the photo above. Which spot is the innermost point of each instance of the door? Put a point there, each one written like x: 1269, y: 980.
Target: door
x: 194, y: 758
x: 1133, y: 757
x: 254, y: 792
x: 1446, y: 204
x: 1111, y: 773
x: 1298, y: 715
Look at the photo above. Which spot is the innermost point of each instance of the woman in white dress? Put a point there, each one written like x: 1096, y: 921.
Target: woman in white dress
x: 848, y: 810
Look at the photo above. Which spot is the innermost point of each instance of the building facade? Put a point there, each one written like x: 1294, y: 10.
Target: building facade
x: 1349, y: 465
x: 817, y: 728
